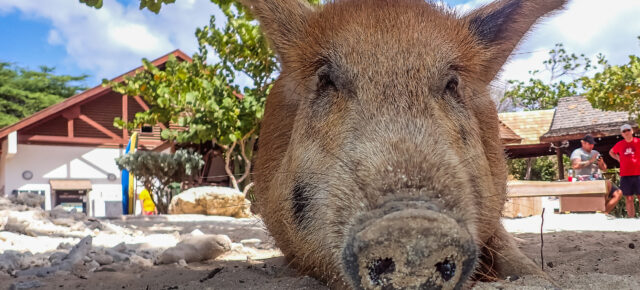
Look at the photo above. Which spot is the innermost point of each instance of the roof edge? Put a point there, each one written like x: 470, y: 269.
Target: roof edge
x: 85, y: 95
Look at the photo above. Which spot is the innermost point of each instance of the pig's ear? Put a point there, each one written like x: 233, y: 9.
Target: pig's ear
x: 502, y: 24
x: 282, y: 21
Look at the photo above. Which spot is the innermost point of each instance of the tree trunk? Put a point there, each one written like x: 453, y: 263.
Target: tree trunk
x: 530, y: 162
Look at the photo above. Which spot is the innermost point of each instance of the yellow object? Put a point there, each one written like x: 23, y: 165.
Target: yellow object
x: 147, y: 203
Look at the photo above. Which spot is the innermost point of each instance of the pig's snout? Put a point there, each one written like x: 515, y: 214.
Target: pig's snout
x: 409, y: 249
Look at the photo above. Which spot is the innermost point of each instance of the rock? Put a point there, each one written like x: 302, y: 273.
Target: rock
x: 78, y: 252
x: 251, y: 242
x: 116, y: 256
x: 197, y: 232
x: 103, y: 259
x: 29, y: 199
x: 4, y: 218
x: 64, y: 246
x: 39, y: 271
x: 56, y: 258
x: 15, y: 225
x: 140, y: 261
x: 10, y: 260
x: 211, y: 200
x: 66, y: 222
x: 237, y: 247
x: 93, y: 265
x: 26, y: 285
x: 182, y: 263
x: 196, y: 248
x: 121, y: 247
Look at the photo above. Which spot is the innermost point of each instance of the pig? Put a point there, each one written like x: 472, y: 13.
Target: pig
x: 380, y: 164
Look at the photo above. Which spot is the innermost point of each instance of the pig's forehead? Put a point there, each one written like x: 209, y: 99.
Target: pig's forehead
x: 408, y: 32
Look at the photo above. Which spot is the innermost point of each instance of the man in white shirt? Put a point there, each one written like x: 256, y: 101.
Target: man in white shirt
x: 588, y: 164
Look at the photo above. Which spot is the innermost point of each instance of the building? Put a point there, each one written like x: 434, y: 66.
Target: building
x: 522, y: 130
x: 67, y: 151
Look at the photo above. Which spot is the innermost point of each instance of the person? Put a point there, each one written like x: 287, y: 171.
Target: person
x: 589, y: 164
x: 148, y: 207
x: 627, y: 152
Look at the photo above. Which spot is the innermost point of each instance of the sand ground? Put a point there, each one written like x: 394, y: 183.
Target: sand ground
x: 581, y: 251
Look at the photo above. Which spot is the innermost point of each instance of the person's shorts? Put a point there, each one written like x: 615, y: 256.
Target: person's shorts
x: 630, y: 185
x: 613, y: 189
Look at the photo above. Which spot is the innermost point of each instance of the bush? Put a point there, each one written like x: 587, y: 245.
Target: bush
x: 158, y: 171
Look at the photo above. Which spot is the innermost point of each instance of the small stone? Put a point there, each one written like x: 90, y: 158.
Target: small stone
x: 512, y: 278
x: 632, y: 246
x: 251, y: 242
x: 121, y: 247
x: 550, y: 264
x: 140, y: 261
x: 103, y: 259
x: 182, y: 263
x: 197, y: 232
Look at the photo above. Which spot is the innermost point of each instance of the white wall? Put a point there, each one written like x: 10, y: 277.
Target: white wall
x: 61, y: 162
x: 3, y: 157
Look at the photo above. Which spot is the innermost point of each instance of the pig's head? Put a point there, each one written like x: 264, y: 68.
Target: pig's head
x: 380, y: 162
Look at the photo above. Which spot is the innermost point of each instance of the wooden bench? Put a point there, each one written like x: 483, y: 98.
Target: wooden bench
x: 581, y: 196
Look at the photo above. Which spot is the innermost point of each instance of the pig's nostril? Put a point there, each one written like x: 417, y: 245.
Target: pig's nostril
x: 379, y: 267
x: 447, y: 269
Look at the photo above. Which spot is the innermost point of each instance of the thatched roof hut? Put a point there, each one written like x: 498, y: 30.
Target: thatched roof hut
x: 574, y: 118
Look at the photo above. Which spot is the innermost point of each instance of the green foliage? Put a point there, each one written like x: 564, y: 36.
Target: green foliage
x: 93, y: 3
x: 24, y: 92
x: 543, y: 168
x: 616, y: 88
x: 538, y: 94
x: 621, y: 208
x: 152, y: 5
x: 204, y: 99
x: 158, y: 171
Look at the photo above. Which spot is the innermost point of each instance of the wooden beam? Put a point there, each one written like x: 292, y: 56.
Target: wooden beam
x: 64, y: 139
x: 71, y: 113
x: 560, y: 163
x: 525, y: 188
x: 144, y: 105
x: 125, y: 116
x: 70, y: 128
x: 99, y: 127
x: 141, y: 103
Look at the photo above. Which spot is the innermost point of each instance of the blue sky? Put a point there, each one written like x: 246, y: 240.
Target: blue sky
x: 105, y: 43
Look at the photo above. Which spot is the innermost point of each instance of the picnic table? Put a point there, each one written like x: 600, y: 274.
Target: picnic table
x: 580, y: 196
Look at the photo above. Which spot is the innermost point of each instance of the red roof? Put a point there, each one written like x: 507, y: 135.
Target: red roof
x: 83, y: 97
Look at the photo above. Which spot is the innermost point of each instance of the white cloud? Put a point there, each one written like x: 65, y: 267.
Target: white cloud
x: 112, y: 40
x: 586, y: 26
x: 54, y: 37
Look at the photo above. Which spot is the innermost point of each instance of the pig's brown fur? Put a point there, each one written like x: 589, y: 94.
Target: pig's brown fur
x: 387, y: 129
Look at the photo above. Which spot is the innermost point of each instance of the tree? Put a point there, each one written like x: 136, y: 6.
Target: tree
x: 616, y: 88
x: 158, y: 171
x: 565, y: 74
x: 24, y: 92
x: 206, y: 99
x: 565, y: 71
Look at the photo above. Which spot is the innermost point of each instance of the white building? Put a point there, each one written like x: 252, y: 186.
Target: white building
x: 67, y: 151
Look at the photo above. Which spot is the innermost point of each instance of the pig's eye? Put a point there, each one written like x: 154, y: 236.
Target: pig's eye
x: 325, y: 80
x: 452, y: 86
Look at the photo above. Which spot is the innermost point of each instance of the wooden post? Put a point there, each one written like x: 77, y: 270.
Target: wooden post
x: 560, y: 164
x: 125, y: 117
x: 70, y: 128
